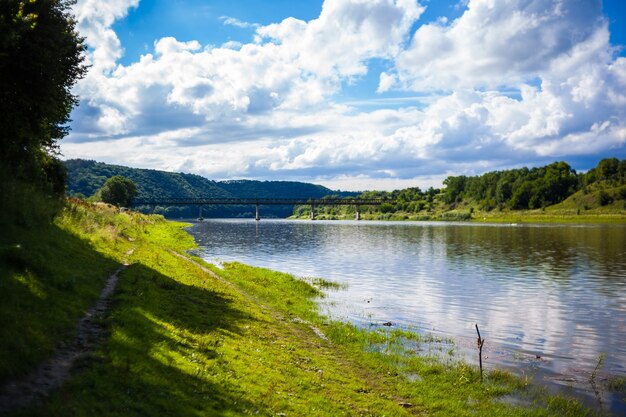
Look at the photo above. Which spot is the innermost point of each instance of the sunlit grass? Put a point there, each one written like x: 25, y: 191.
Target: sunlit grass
x: 238, y: 341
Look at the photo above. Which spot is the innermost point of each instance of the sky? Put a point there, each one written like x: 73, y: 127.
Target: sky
x: 351, y: 94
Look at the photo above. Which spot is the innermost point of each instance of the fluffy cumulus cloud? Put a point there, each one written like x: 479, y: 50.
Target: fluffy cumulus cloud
x: 347, y: 33
x: 498, y: 42
x: 95, y: 19
x: 510, y: 82
x: 555, y: 54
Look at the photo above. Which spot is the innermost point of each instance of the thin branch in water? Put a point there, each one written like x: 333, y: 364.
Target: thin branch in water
x: 479, y: 343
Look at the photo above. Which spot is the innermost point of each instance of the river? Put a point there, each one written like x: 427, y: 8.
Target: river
x: 550, y: 300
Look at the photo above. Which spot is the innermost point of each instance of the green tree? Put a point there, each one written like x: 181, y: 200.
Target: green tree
x: 608, y: 168
x: 622, y: 171
x: 41, y: 57
x: 503, y: 190
x: 454, y: 188
x: 386, y: 208
x: 521, y: 196
x: 117, y: 190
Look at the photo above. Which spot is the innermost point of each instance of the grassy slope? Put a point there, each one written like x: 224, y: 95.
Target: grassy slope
x: 49, y: 275
x: 581, y: 207
x: 185, y: 342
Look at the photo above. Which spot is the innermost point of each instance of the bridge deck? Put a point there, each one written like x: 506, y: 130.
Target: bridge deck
x: 262, y: 201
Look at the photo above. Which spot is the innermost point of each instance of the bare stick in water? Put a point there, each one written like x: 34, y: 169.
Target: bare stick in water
x: 480, y: 343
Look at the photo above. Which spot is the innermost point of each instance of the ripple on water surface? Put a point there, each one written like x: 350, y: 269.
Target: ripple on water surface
x: 557, y: 292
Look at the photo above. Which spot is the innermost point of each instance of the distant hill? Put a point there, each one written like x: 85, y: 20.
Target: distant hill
x: 86, y: 177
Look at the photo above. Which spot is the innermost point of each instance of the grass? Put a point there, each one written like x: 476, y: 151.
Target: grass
x: 550, y: 216
x: 49, y: 275
x: 190, y: 340
x: 617, y: 384
x: 556, y: 214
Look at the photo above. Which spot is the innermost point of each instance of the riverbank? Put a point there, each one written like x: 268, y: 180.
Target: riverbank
x: 494, y: 216
x: 187, y: 338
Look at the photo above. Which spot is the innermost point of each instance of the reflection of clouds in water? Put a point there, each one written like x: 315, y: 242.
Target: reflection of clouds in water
x: 555, y: 291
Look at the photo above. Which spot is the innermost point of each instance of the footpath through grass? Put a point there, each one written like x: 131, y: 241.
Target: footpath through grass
x: 186, y: 339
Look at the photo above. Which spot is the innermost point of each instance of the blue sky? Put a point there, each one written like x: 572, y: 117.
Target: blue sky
x: 352, y: 94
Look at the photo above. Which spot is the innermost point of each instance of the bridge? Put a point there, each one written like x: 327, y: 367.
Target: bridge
x: 357, y: 202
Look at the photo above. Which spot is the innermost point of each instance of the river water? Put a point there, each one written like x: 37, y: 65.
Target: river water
x: 550, y: 300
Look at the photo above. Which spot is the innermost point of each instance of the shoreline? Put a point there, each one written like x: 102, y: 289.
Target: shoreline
x: 239, y: 341
x: 518, y: 362
x: 508, y: 217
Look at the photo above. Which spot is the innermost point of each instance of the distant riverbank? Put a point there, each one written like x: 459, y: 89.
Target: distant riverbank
x: 508, y: 216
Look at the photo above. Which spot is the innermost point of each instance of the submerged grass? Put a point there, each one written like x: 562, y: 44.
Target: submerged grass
x: 189, y: 339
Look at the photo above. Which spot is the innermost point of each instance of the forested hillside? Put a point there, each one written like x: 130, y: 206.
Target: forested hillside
x: 524, y: 188
x: 555, y: 189
x: 86, y: 177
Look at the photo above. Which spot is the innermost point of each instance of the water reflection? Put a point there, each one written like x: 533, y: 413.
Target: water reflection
x: 548, y: 298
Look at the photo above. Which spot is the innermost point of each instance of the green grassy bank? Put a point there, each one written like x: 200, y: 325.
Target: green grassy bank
x: 505, y: 216
x: 562, y: 213
x: 187, y: 339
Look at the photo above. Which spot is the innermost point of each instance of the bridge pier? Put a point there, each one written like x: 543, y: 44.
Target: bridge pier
x: 257, y: 202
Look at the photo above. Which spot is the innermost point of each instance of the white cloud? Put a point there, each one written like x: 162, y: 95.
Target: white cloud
x: 386, y: 82
x: 95, y: 18
x: 496, y: 43
x: 266, y: 109
x: 232, y: 45
x: 280, y: 72
x: 170, y: 46
x: 232, y: 21
x: 347, y: 33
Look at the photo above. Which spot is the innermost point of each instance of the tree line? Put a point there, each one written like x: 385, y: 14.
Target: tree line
x: 41, y: 58
x: 524, y: 188
x: 513, y: 189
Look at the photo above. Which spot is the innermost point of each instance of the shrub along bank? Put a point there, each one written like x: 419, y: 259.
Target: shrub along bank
x: 185, y: 338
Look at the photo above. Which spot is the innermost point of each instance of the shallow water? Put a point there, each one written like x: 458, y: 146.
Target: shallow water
x: 549, y: 299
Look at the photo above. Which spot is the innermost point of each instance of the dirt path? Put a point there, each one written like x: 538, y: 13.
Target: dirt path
x: 52, y: 373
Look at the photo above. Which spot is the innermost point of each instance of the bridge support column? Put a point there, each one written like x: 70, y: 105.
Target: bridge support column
x: 258, y: 215
x: 358, y: 212
x: 312, y: 211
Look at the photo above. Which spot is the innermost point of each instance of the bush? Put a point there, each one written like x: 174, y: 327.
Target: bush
x: 117, y: 190
x: 386, y: 208
x: 604, y: 198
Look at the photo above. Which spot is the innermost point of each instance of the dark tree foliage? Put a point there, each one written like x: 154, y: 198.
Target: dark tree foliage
x: 454, y: 188
x: 531, y: 188
x: 41, y: 58
x: 604, y: 198
x: 118, y: 191
x: 55, y: 174
x: 408, y: 200
x: 517, y: 188
x: 609, y: 170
